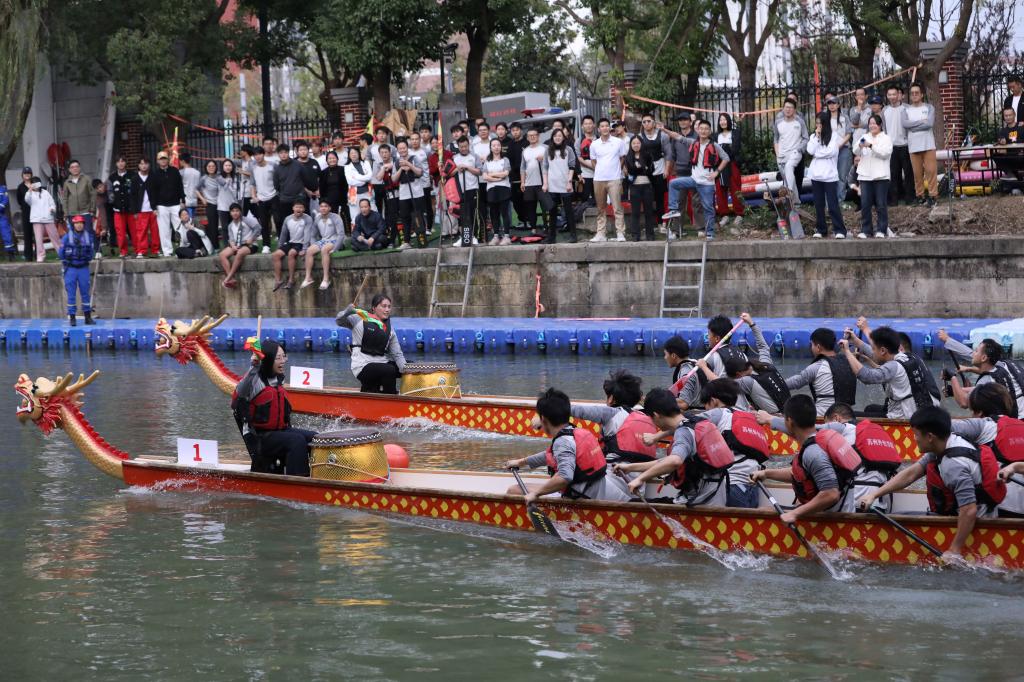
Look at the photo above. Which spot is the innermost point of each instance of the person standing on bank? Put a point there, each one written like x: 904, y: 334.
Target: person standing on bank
x: 560, y: 164
x: 707, y: 160
x: 377, y: 359
x: 824, y: 146
x: 42, y: 214
x: 496, y: 172
x: 28, y: 242
x: 901, y: 173
x: 843, y: 130
x: 79, y: 198
x: 168, y: 198
x: 76, y: 250
x: 656, y: 142
x: 639, y: 169
x: 874, y: 150
x: 606, y: 154
x: 729, y: 139
x: 917, y: 120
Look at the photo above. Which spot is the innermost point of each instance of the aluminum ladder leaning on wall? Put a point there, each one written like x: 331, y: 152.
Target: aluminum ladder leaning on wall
x: 668, y: 265
x: 435, y: 303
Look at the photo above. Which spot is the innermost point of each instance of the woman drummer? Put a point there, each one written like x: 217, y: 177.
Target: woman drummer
x: 264, y: 413
x: 377, y: 359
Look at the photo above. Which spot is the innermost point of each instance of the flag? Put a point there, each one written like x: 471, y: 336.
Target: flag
x: 253, y: 344
x: 368, y: 318
x: 369, y: 126
x: 817, y: 86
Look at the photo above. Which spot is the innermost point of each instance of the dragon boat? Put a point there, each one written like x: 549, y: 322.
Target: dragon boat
x: 190, y: 342
x: 479, y: 498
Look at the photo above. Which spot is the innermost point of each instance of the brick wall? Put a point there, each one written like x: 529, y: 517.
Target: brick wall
x: 128, y: 141
x: 951, y: 95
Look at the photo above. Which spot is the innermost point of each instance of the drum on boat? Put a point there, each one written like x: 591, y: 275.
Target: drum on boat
x: 431, y: 380
x: 355, y: 455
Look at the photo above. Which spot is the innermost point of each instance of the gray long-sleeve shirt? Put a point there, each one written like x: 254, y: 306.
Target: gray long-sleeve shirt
x: 790, y: 135
x: 918, y: 122
x: 896, y: 384
x: 893, y: 119
x: 961, y: 475
x: 559, y: 171
x: 708, y: 493
x: 609, y: 488
x: 963, y: 356
x: 297, y: 230
x: 818, y: 374
x: 349, y: 318
x: 328, y: 228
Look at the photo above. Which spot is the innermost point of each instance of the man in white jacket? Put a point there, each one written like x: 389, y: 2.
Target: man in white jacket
x: 789, y: 136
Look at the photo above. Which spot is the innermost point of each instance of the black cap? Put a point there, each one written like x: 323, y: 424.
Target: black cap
x: 684, y: 116
x: 875, y: 99
x: 26, y: 169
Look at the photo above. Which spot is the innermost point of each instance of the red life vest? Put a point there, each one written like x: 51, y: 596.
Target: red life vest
x: 590, y: 462
x: 1008, y: 446
x: 270, y: 410
x: 876, y: 447
x: 941, y: 498
x: 711, y: 158
x: 841, y: 454
x: 627, y: 443
x: 747, y: 438
x: 713, y: 458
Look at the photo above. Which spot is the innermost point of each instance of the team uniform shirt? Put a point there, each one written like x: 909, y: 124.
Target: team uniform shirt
x: 609, y: 418
x: 419, y: 156
x: 468, y: 180
x: 709, y: 493
x: 739, y: 473
x: 374, y: 155
x: 327, y: 229
x: 243, y: 231
x: 560, y: 170
x: 608, y: 488
x: 982, y: 431
x: 209, y: 187
x: 790, y: 135
x: 414, y: 189
x: 532, y: 167
x: 963, y: 356
x: 608, y: 159
x: 351, y: 319
x: 501, y: 165
x: 230, y: 191
x: 690, y: 392
x: 753, y: 396
x: 893, y: 377
x: 961, y: 475
x: 263, y: 181
x: 702, y: 175
x: 859, y: 122
x: 892, y: 118
x: 819, y: 467
x: 818, y: 374
x: 296, y: 230
x: 190, y: 179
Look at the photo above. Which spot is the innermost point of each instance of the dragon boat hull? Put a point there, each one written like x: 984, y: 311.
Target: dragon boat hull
x: 472, y: 497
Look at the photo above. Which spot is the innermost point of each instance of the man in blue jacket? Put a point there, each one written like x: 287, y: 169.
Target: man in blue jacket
x: 76, y: 251
x: 6, y: 231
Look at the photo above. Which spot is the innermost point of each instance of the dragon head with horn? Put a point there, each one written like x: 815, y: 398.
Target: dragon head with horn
x: 42, y: 399
x: 182, y: 340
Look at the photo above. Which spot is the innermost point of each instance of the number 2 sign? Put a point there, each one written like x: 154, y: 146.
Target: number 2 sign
x: 306, y: 377
x: 195, y: 452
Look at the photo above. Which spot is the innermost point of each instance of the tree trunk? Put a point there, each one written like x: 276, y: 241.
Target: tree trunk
x: 331, y: 107
x: 691, y: 84
x: 748, y: 81
x: 478, y: 41
x: 381, y: 91
x: 19, y: 45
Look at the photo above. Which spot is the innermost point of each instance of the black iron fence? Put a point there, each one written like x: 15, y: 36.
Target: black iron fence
x: 983, y: 103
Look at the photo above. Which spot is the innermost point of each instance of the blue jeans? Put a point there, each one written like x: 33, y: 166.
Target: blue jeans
x: 736, y: 496
x: 707, y: 199
x: 825, y: 195
x: 191, y: 212
x: 75, y: 280
x: 874, y: 194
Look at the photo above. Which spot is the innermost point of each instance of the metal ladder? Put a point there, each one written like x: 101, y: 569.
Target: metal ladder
x: 697, y: 310
x: 461, y: 305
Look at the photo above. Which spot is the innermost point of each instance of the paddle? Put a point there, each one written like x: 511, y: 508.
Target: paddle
x: 541, y: 523
x: 906, y: 531
x: 355, y: 299
x: 259, y: 326
x: 796, y: 531
x: 678, y: 386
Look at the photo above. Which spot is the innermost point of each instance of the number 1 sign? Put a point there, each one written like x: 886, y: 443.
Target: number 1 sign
x: 195, y: 452
x: 306, y: 377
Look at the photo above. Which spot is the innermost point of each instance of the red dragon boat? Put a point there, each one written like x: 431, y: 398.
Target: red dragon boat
x: 189, y: 342
x: 478, y: 497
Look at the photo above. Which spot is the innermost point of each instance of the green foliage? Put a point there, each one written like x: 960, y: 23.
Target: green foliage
x: 684, y: 43
x: 21, y: 29
x: 531, y: 60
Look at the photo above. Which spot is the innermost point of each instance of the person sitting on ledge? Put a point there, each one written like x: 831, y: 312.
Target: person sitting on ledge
x: 293, y: 242
x: 243, y: 231
x: 370, y: 232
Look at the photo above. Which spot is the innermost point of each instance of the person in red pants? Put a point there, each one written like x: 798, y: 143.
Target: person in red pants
x: 728, y: 138
x: 145, y: 234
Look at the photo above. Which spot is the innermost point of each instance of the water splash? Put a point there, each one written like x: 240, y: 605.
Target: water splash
x: 837, y: 562
x: 442, y: 432
x: 732, y: 560
x: 585, y: 536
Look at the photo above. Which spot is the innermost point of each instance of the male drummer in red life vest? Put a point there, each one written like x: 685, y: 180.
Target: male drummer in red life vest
x: 962, y: 480
x: 821, y: 477
x: 575, y: 462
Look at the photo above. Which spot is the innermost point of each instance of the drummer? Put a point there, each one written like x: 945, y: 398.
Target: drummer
x: 264, y: 413
x: 377, y: 359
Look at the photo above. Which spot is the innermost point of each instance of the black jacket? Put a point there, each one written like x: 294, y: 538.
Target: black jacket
x: 514, y: 151
x: 138, y: 189
x: 120, y: 191
x: 1020, y: 106
x: 372, y: 225
x: 310, y: 174
x: 167, y: 188
x: 289, y: 181
x: 333, y: 186
x: 638, y: 164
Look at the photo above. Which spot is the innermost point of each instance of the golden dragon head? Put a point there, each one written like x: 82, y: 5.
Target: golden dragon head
x: 42, y: 399
x: 181, y: 340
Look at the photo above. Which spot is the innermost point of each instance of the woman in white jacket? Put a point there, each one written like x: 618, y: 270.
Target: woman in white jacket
x: 823, y: 146
x: 41, y: 215
x: 874, y: 150
x: 358, y: 174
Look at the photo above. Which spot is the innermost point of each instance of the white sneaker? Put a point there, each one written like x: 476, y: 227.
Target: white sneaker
x: 404, y: 246
x: 879, y: 235
x: 662, y: 229
x: 599, y: 237
x: 670, y: 215
x: 505, y: 241
x: 620, y: 238
x: 138, y: 255
x: 890, y: 234
x: 99, y: 256
x: 738, y: 220
x: 495, y: 240
x: 816, y: 235
x: 700, y: 234
x: 475, y: 242
x: 266, y: 249
x: 840, y: 236
x: 724, y: 221
x: 861, y: 235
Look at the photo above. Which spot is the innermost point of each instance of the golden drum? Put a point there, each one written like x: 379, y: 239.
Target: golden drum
x: 431, y: 380
x: 354, y: 455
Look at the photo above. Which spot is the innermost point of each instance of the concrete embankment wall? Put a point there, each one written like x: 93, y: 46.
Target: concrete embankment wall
x: 951, y: 277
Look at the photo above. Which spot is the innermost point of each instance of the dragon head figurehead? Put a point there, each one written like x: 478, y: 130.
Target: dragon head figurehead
x: 181, y: 340
x: 42, y: 399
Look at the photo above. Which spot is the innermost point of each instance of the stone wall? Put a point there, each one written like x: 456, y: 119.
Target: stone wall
x: 952, y: 277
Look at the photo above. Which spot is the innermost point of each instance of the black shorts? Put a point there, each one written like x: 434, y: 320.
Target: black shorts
x: 297, y: 247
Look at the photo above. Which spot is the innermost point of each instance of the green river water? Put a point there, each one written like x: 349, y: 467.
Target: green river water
x: 101, y: 582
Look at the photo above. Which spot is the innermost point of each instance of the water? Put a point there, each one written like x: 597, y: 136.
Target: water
x: 101, y: 582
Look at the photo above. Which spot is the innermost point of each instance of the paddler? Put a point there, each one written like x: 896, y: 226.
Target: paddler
x: 264, y: 413
x: 822, y: 472
x: 677, y: 356
x: 829, y: 377
x: 988, y: 362
x: 961, y: 480
x: 698, y: 461
x: 906, y: 388
x: 575, y: 462
x: 377, y: 359
x: 719, y: 327
x: 761, y: 386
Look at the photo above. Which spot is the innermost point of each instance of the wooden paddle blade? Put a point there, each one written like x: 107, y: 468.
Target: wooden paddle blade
x: 541, y: 523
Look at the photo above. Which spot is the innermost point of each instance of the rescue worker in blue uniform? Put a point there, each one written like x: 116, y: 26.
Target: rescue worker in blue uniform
x: 77, y: 249
x: 6, y: 231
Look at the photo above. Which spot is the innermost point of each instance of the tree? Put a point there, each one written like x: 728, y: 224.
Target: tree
x: 866, y: 41
x: 481, y: 21
x: 608, y: 27
x: 903, y: 26
x: 745, y: 43
x: 530, y: 61
x: 21, y: 32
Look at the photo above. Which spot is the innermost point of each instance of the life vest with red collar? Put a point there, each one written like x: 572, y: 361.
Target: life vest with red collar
x: 590, y: 466
x: 1008, y: 446
x: 942, y: 499
x: 270, y: 410
x: 747, y: 438
x: 711, y: 158
x: 841, y: 454
x: 711, y: 461
x: 876, y: 447
x: 627, y: 443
